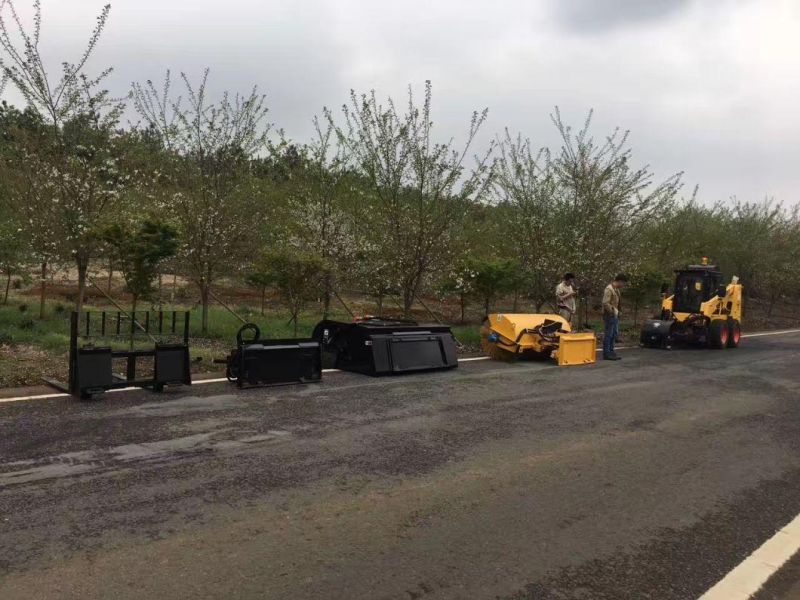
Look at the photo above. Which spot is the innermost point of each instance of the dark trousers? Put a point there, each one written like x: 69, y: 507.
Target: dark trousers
x: 610, y: 333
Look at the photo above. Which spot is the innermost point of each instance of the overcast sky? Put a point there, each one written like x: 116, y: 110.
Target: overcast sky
x: 708, y: 87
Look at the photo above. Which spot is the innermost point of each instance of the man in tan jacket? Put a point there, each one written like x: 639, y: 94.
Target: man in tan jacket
x: 565, y: 297
x: 611, y: 299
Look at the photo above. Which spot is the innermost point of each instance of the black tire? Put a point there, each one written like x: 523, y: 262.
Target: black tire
x: 718, y: 334
x: 734, y: 333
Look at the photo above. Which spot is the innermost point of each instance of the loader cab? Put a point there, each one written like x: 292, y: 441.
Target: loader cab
x: 693, y: 286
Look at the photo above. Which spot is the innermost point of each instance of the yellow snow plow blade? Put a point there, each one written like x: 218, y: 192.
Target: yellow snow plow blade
x: 510, y: 336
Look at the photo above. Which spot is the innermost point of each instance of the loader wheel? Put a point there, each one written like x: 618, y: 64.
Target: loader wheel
x: 718, y: 334
x: 491, y: 349
x: 734, y: 333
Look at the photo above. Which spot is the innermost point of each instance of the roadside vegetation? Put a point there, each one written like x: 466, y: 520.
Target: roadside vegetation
x: 378, y: 214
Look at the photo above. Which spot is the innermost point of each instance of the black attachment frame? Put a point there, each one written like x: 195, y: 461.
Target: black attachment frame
x: 264, y: 362
x: 91, y: 367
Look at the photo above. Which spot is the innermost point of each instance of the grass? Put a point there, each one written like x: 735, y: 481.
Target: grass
x: 24, y: 327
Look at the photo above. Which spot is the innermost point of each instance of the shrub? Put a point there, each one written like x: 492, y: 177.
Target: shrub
x: 27, y: 324
x: 60, y: 309
x: 16, y: 284
x: 23, y: 308
x: 6, y: 339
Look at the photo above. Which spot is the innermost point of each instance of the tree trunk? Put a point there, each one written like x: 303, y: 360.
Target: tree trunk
x: 205, y: 288
x: 110, y: 275
x: 294, y: 317
x: 174, y: 288
x: 486, y: 306
x: 771, y: 305
x: 83, y: 266
x: 463, y: 302
x: 263, y: 296
x: 134, y: 302
x: 43, y: 289
x: 8, y: 286
x: 160, y: 288
x: 380, y: 304
x: 516, y: 300
x: 326, y: 298
x: 408, y: 302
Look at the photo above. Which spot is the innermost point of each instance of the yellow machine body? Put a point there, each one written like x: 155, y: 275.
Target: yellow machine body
x: 518, y: 335
x: 718, y: 307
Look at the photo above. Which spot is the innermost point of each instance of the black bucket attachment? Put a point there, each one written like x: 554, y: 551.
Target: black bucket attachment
x: 656, y: 333
x: 257, y: 362
x: 376, y: 346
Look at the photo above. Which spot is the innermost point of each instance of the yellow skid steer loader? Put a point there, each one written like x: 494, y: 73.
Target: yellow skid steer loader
x: 700, y: 310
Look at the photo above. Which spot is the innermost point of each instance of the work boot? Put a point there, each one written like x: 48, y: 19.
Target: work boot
x: 612, y: 357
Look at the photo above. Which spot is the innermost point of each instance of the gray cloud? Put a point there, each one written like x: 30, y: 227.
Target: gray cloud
x: 708, y: 88
x: 604, y: 15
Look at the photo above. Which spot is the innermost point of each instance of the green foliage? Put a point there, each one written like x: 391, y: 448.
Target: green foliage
x: 297, y: 276
x: 492, y: 277
x: 139, y: 252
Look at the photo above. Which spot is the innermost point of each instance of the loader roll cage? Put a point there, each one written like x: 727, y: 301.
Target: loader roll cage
x: 693, y: 286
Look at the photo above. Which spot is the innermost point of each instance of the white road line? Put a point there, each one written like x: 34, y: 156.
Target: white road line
x: 223, y: 379
x: 752, y: 573
x: 784, y: 332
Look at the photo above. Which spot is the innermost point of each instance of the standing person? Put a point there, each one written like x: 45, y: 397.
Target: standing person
x: 611, y: 298
x: 565, y: 297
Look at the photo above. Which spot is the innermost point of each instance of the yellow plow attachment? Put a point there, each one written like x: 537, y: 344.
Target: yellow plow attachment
x: 510, y: 336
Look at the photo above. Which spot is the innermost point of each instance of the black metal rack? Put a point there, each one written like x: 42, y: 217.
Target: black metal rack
x: 91, y: 367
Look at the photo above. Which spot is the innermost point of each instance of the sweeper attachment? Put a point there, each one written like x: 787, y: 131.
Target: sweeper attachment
x: 256, y: 362
x: 701, y: 310
x: 376, y: 346
x: 511, y: 336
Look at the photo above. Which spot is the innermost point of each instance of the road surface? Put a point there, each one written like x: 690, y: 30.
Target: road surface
x: 651, y: 477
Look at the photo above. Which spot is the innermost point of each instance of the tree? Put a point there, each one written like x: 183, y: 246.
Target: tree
x: 138, y: 252
x: 207, y: 163
x: 526, y: 181
x: 72, y: 162
x: 298, y: 277
x: 461, y: 282
x: 13, y: 251
x: 262, y: 281
x: 492, y: 277
x: 643, y: 286
x: 419, y: 189
x: 319, y: 215
x: 604, y: 203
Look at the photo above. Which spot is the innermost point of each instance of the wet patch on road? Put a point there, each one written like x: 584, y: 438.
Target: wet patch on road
x: 111, y: 460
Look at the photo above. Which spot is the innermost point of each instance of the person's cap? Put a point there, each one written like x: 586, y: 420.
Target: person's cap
x: 568, y: 276
x: 621, y: 277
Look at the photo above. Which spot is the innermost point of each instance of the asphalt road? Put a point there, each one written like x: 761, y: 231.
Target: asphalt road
x: 647, y: 478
